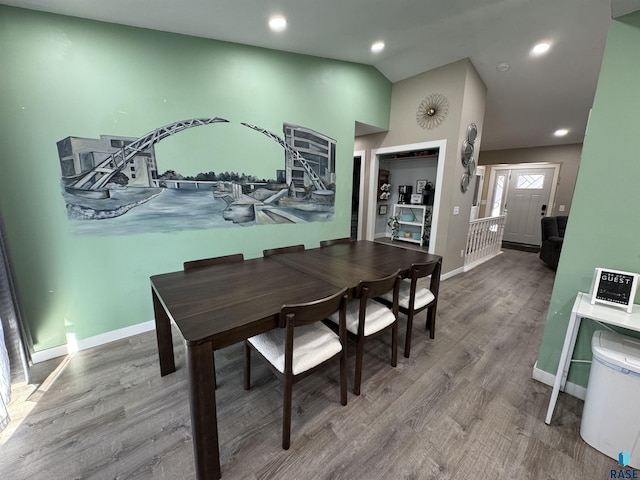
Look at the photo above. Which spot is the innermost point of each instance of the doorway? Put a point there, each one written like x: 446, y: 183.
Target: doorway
x: 524, y: 193
x: 357, y: 195
x: 372, y: 210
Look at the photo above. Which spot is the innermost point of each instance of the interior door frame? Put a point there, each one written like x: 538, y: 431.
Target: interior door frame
x: 480, y: 172
x: 363, y: 162
x: 372, y: 203
x: 523, y: 166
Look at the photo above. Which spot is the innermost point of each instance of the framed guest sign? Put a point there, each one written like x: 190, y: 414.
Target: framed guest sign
x: 613, y: 287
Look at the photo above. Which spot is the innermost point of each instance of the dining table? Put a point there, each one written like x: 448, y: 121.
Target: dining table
x: 217, y: 306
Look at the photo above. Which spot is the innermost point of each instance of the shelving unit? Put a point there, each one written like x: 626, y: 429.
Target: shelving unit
x: 411, y: 219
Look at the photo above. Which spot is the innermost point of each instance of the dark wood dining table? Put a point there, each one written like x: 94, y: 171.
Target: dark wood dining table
x: 217, y: 306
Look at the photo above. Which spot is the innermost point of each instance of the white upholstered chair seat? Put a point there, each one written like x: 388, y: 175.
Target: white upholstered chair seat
x: 423, y: 295
x: 312, y: 345
x: 378, y: 317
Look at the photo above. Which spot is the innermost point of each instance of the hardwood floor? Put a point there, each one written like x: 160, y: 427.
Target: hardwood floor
x: 464, y: 406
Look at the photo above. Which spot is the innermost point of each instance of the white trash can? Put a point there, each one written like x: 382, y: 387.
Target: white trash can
x: 611, y: 415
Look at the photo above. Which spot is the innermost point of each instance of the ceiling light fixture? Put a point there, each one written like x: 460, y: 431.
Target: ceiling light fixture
x: 541, y: 48
x: 277, y: 23
x: 377, y: 47
x: 561, y: 132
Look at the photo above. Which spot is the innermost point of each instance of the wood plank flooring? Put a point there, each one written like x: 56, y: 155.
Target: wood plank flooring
x: 464, y: 406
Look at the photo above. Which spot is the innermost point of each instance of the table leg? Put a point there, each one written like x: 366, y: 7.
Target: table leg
x: 202, y: 399
x: 564, y: 363
x: 163, y: 336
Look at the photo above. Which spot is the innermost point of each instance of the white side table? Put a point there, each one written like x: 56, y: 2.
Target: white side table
x: 600, y: 313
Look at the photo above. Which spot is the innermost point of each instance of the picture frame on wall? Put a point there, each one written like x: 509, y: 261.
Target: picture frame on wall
x: 420, y: 184
x: 416, y: 199
x: 382, y: 209
x: 614, y: 287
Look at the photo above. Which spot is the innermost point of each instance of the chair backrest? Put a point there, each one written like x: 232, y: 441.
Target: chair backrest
x: 553, y: 226
x: 310, y: 312
x: 292, y: 316
x: 335, y: 241
x: 375, y: 288
x: 277, y: 251
x: 207, y: 262
x: 421, y: 270
x: 562, y: 225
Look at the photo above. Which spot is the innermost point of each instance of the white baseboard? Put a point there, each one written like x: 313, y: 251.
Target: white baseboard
x: 477, y: 263
x: 452, y: 273
x: 49, y: 353
x: 76, y: 346
x: 547, y: 378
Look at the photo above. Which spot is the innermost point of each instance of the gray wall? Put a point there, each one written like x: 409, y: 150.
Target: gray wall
x: 460, y: 83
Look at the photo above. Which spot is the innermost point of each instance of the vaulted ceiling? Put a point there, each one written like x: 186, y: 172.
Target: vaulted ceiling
x: 529, y: 97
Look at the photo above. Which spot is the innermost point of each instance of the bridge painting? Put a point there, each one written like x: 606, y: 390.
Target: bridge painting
x: 111, y: 185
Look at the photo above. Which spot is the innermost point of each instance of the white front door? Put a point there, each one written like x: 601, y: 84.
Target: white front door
x: 527, y: 202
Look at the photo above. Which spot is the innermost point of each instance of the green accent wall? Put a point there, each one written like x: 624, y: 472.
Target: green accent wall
x: 604, y: 225
x: 64, y: 76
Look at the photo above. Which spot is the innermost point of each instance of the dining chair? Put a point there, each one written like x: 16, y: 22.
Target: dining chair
x: 299, y: 346
x: 413, y: 299
x: 207, y: 262
x: 277, y: 251
x: 193, y: 265
x: 367, y: 318
x: 334, y: 241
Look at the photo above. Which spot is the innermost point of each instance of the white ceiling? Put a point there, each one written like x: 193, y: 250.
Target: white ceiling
x: 525, y: 104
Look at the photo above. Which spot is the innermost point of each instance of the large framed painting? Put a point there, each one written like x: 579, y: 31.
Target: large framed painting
x: 112, y: 184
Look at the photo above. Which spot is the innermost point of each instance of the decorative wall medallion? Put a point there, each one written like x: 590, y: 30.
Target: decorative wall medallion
x: 464, y: 183
x: 471, y: 168
x: 472, y: 133
x: 432, y: 111
x: 466, y: 153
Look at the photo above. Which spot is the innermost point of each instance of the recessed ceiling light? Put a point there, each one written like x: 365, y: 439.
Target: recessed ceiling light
x: 277, y: 23
x: 541, y: 48
x: 377, y: 47
x: 561, y: 132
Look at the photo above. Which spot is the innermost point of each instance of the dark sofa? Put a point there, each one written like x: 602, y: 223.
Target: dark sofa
x: 552, y: 236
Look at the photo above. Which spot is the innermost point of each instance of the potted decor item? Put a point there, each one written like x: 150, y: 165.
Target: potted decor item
x: 394, y: 225
x: 427, y: 228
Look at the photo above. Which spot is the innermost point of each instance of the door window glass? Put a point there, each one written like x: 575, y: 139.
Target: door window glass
x: 531, y: 182
x: 496, y: 206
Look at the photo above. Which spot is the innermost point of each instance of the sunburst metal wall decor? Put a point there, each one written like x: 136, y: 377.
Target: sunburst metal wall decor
x: 432, y: 111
